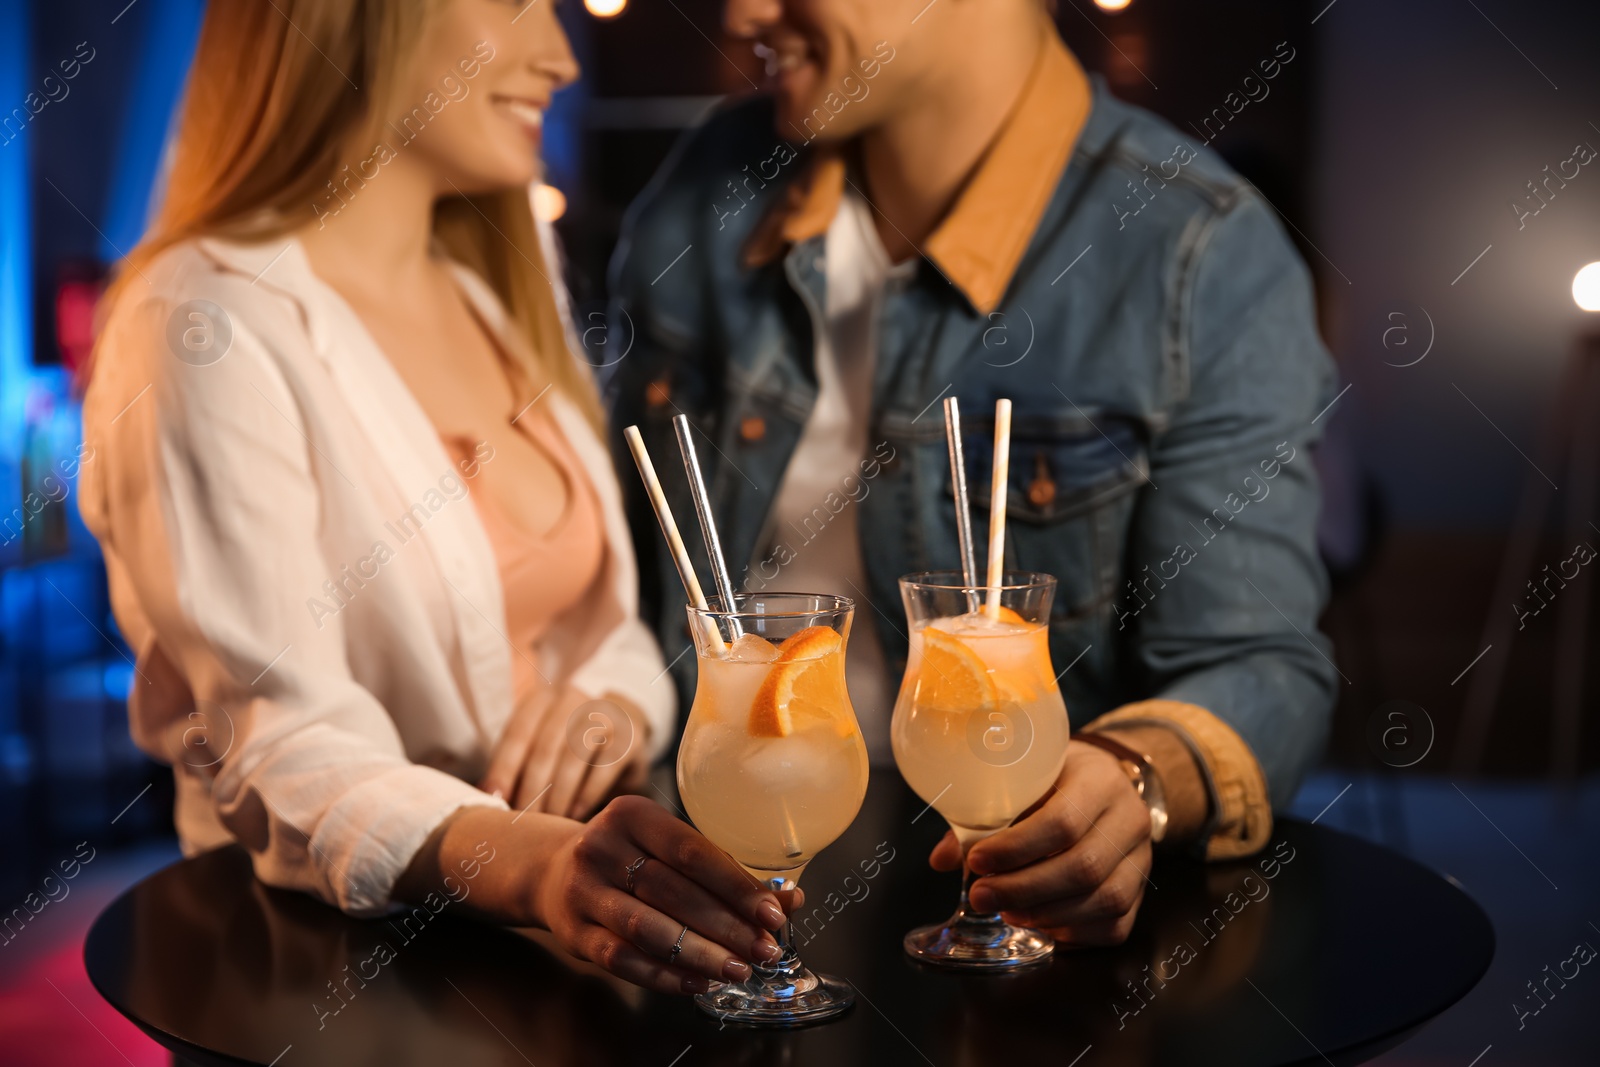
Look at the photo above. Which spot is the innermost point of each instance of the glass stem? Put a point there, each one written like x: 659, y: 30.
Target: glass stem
x: 779, y: 978
x: 964, y: 915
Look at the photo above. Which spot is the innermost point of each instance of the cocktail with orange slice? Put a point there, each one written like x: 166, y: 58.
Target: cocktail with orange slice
x: 772, y: 768
x: 979, y: 732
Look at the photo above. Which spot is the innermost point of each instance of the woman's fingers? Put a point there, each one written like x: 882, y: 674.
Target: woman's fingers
x: 672, y: 894
x: 598, y: 784
x: 537, y: 783
x: 544, y: 763
x: 617, y: 761
x: 567, y: 780
x: 626, y: 961
x: 656, y: 832
x: 656, y: 935
x: 511, y: 751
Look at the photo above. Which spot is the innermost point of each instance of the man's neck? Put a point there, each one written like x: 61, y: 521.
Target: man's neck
x: 917, y: 163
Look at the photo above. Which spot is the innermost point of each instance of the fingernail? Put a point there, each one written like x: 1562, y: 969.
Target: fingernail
x: 771, y: 914
x: 736, y: 970
x: 498, y: 795
x: 696, y: 985
x: 767, y: 951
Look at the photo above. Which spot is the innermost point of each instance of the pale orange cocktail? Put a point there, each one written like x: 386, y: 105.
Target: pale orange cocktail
x: 980, y: 732
x: 772, y: 769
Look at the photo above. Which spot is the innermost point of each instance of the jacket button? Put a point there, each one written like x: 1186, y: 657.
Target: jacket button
x: 658, y: 393
x: 752, y: 428
x: 1042, y: 490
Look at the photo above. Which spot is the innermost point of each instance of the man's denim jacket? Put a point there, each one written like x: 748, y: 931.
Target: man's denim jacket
x: 1157, y: 339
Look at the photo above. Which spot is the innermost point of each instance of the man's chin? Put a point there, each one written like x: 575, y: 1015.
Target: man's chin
x: 808, y: 122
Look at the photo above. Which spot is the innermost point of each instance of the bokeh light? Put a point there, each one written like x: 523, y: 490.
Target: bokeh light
x: 610, y: 9
x: 549, y: 203
x: 1586, y: 287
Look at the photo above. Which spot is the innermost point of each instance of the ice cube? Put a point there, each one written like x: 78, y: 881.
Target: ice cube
x: 752, y: 648
x: 976, y: 624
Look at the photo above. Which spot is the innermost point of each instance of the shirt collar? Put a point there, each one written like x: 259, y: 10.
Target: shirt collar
x: 982, y: 239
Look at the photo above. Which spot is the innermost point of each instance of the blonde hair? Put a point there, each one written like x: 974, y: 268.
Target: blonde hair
x: 278, y: 92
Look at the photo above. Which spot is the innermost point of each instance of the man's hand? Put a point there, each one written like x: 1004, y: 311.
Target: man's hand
x: 1076, y: 866
x: 556, y: 765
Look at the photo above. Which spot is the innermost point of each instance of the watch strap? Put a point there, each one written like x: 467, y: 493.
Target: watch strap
x: 1146, y: 778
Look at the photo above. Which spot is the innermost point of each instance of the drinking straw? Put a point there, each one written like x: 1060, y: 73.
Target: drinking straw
x: 669, y: 530
x: 708, y: 523
x: 997, y: 504
x: 958, y: 475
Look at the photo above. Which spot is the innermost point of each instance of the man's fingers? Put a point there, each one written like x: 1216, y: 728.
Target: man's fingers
x: 1119, y: 894
x: 1090, y: 783
x: 1057, y: 826
x: 1109, y: 932
x: 946, y: 855
x: 1077, y: 872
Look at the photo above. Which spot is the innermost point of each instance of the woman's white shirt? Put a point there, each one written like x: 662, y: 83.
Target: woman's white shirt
x: 315, y: 608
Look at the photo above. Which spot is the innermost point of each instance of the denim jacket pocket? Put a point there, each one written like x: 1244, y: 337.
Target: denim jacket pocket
x: 1069, y: 500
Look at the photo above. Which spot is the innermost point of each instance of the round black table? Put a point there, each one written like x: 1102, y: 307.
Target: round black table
x: 1321, y: 950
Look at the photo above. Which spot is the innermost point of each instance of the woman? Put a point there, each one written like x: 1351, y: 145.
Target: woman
x: 358, y: 520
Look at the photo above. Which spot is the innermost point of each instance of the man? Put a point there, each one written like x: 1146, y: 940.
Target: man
x: 933, y: 200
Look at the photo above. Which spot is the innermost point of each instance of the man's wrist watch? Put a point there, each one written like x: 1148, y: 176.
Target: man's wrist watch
x: 1142, y: 773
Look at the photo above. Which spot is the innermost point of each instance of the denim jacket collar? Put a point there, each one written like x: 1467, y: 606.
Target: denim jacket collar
x: 981, y: 241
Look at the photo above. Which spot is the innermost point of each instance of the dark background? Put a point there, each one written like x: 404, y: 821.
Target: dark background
x: 1392, y: 145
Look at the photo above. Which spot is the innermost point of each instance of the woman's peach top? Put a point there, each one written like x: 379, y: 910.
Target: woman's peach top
x: 546, y: 573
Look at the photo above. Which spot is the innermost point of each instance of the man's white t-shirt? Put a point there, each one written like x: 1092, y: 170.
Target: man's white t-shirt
x: 826, y: 547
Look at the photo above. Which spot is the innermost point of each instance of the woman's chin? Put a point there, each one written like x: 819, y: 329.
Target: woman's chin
x: 496, y: 178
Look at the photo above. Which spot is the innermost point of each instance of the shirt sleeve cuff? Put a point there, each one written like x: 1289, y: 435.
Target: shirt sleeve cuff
x: 1241, y: 813
x: 366, y: 841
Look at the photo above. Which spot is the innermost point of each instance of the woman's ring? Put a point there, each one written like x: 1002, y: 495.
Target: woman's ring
x: 633, y: 870
x: 672, y: 957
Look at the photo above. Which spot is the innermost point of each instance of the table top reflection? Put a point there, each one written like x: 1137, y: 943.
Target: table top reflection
x: 1322, y: 949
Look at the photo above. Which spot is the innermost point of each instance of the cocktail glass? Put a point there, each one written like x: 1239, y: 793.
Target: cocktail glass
x: 980, y: 733
x: 772, y: 769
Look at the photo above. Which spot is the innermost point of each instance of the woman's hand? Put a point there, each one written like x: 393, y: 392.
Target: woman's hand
x: 1076, y: 866
x: 685, y: 886
x: 564, y: 752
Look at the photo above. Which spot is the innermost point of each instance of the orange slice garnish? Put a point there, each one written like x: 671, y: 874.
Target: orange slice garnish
x: 1024, y: 684
x: 806, y: 686
x: 952, y: 677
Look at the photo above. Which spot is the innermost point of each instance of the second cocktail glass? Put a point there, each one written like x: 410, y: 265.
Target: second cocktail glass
x: 772, y: 769
x: 980, y: 732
